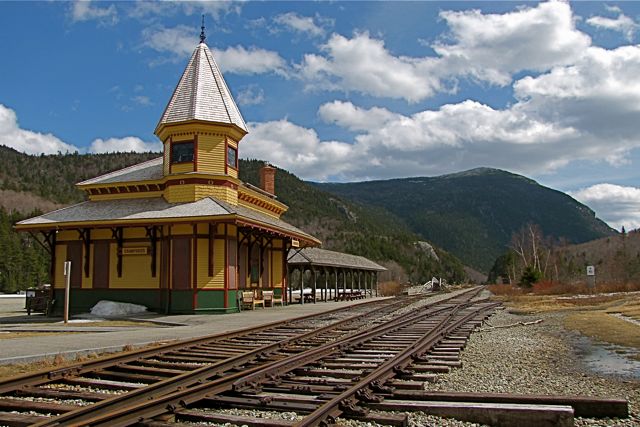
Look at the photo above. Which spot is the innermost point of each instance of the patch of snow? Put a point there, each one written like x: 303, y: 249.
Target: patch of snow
x: 81, y: 321
x: 116, y: 309
x: 609, y: 294
x: 625, y: 318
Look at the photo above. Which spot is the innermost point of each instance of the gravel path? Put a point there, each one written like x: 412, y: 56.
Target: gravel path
x: 535, y: 359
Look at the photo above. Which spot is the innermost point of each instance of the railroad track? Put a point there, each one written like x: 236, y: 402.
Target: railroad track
x: 52, y: 398
x: 319, y: 383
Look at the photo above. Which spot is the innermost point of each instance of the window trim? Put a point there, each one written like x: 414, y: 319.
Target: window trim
x: 226, y: 157
x: 176, y: 143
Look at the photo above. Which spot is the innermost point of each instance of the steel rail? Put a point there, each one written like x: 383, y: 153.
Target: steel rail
x: 126, y: 414
x: 331, y: 408
x: 79, y: 368
x: 196, y: 376
x: 202, y: 374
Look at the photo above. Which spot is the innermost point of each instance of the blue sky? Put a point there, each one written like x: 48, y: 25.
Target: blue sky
x: 347, y: 91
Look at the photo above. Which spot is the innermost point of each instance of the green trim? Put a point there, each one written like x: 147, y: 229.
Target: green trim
x: 232, y: 301
x: 210, y: 299
x: 215, y: 310
x: 181, y: 302
x: 82, y: 300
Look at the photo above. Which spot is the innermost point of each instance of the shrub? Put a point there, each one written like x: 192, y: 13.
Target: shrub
x: 389, y: 289
x: 530, y: 275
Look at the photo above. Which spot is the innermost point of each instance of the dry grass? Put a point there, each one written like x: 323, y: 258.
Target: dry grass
x: 556, y: 288
x: 606, y: 328
x: 589, y: 311
x: 112, y: 323
x: 628, y: 308
x: 58, y: 361
x: 12, y: 335
x: 389, y: 289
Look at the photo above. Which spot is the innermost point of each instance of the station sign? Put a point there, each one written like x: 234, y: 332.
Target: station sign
x: 138, y: 250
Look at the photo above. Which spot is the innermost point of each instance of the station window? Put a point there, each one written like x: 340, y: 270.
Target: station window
x: 182, y: 152
x: 232, y: 157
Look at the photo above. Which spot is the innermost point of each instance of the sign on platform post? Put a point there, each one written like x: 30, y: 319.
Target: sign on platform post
x: 67, y: 287
x: 591, y: 275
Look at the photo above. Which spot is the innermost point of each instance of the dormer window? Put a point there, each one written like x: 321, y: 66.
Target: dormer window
x: 232, y: 157
x: 182, y: 152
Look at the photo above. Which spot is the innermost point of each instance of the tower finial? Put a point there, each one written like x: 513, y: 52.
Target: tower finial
x: 202, y: 36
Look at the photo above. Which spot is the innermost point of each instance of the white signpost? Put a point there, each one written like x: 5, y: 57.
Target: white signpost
x: 591, y: 276
x: 67, y: 275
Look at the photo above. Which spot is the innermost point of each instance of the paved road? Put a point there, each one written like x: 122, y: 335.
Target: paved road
x: 29, y: 349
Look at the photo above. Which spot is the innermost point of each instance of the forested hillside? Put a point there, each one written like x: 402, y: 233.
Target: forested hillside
x: 474, y: 214
x: 43, y: 183
x: 350, y: 227
x: 616, y: 260
x: 52, y: 177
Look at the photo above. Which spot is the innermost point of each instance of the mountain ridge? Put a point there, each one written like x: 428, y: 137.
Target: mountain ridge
x: 474, y: 213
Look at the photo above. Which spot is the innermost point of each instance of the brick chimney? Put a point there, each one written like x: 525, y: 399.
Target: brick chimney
x: 268, y: 178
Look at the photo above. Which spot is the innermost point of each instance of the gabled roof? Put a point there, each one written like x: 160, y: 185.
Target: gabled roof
x: 157, y: 209
x: 145, y: 171
x: 202, y: 94
x: 325, y: 258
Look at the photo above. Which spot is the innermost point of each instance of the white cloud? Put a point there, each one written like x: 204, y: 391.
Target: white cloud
x: 250, y: 95
x: 212, y: 9
x: 123, y: 145
x: 492, y: 47
x: 142, y: 100
x: 28, y: 141
x: 586, y: 111
x: 347, y: 115
x: 296, y: 149
x: 617, y: 205
x: 302, y: 24
x: 86, y: 10
x: 181, y: 42
x: 363, y: 64
x: 622, y: 24
x: 486, y: 47
x: 240, y: 60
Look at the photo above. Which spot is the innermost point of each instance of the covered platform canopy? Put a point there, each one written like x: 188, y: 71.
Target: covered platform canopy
x: 330, y: 275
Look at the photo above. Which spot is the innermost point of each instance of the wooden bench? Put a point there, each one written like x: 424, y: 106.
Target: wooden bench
x: 270, y: 299
x: 343, y: 295
x: 249, y: 299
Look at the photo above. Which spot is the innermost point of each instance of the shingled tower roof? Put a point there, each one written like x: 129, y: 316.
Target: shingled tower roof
x: 202, y: 94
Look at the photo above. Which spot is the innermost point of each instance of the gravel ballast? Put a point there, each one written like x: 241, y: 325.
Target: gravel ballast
x: 534, y: 359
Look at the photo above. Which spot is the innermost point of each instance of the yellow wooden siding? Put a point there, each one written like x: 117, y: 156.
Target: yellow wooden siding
x: 211, y: 154
x: 136, y: 233
x: 277, y: 243
x: 87, y: 282
x: 182, y: 167
x: 258, y: 208
x: 276, y: 268
x: 231, y: 171
x: 101, y: 234
x: 217, y: 280
x: 61, y: 256
x: 166, y: 160
x: 180, y: 193
x: 225, y: 194
x: 67, y: 235
x: 136, y: 270
x: 181, y: 229
x: 118, y: 196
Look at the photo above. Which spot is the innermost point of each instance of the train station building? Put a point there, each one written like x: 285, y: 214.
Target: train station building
x: 180, y: 233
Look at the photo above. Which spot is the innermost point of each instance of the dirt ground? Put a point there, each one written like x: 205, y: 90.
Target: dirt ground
x: 609, y: 317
